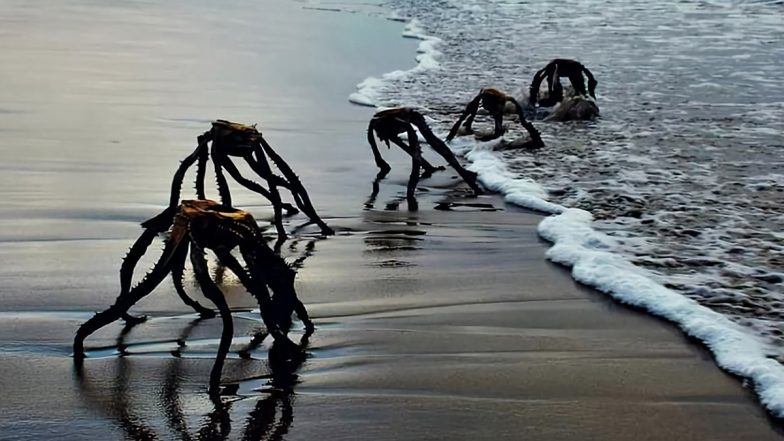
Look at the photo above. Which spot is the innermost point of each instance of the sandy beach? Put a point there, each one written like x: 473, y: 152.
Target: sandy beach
x: 430, y: 324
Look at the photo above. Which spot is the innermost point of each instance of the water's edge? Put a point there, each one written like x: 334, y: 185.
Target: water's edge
x: 579, y: 246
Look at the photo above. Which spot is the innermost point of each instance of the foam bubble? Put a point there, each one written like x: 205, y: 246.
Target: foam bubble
x: 370, y: 90
x: 494, y: 175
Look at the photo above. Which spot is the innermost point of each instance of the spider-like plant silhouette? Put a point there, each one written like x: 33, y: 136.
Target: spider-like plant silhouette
x: 389, y: 124
x: 234, y: 140
x: 556, y: 69
x: 197, y: 226
x: 494, y: 101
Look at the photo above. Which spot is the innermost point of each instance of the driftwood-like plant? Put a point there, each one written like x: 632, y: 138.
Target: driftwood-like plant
x: 560, y: 68
x: 227, y: 140
x: 197, y: 226
x: 389, y: 124
x: 494, y: 101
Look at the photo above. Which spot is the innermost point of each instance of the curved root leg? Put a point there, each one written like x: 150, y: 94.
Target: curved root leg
x: 122, y: 348
x: 290, y: 209
x: 536, y: 137
x: 223, y: 186
x: 183, y: 337
x: 179, y: 175
x: 302, y: 314
x: 101, y: 319
x: 177, y: 271
x: 262, y: 168
x: 132, y: 320
x: 132, y: 258
x: 125, y: 300
x: 468, y: 126
x: 255, y: 342
x: 264, y: 172
x: 97, y: 322
x: 271, y: 195
x: 578, y: 83
x: 250, y: 284
x: 416, y: 159
x: 215, y: 295
x: 498, y: 130
x: 201, y: 171
x: 297, y: 188
x: 470, y: 112
x: 383, y: 166
x: 442, y: 149
x: 408, y: 148
x: 259, y: 290
x: 304, y: 204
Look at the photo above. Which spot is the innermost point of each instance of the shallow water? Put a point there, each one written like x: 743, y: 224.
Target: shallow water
x: 680, y: 176
x: 684, y: 167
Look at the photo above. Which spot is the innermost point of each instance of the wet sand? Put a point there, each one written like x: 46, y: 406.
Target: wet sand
x: 430, y: 324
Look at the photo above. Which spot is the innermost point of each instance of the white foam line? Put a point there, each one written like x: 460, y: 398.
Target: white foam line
x: 494, y: 176
x: 588, y: 252
x: 370, y: 90
x: 578, y: 245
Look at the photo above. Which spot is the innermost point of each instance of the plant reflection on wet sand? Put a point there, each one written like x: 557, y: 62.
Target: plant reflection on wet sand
x: 269, y: 419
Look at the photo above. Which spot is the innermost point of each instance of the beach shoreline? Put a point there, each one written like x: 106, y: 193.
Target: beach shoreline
x: 431, y: 324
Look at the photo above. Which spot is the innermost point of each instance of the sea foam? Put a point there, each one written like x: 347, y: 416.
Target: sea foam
x: 577, y: 245
x: 371, y: 89
x: 493, y: 174
x: 588, y: 252
x: 629, y: 168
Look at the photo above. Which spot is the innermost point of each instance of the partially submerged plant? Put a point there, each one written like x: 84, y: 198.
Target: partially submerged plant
x: 556, y: 69
x: 389, y: 124
x: 494, y: 101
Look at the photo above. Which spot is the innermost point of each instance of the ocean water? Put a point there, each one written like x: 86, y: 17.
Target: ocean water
x: 672, y: 199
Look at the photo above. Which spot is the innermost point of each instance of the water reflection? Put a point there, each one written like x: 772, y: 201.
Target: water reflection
x: 370, y: 202
x: 269, y: 419
x: 392, y: 204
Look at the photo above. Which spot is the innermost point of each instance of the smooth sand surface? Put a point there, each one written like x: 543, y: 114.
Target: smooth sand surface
x: 430, y: 324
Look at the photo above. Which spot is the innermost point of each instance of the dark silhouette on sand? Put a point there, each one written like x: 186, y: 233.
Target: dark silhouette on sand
x: 196, y: 227
x: 236, y: 140
x: 389, y: 124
